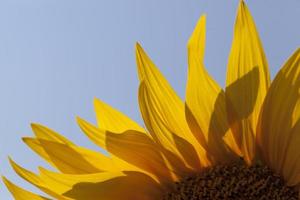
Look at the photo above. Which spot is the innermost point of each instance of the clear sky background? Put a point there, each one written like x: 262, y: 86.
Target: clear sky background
x: 56, y: 56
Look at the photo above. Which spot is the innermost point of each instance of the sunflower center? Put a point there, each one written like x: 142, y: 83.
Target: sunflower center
x: 236, y: 181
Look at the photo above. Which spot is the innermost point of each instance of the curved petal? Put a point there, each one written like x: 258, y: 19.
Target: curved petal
x: 247, y: 81
x: 169, y: 142
x: 43, y: 132
x: 128, y: 157
x: 126, y: 185
x: 112, y: 120
x: 36, y: 181
x: 94, y: 133
x: 75, y: 156
x: 278, y: 131
x: 98, y: 136
x: 83, y: 155
x: 291, y: 160
x: 166, y: 105
x: 139, y: 150
x: 70, y: 159
x: 205, y: 101
x: 91, y: 186
x: 21, y: 194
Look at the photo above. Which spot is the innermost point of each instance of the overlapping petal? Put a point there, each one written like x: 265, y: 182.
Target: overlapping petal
x: 112, y: 186
x: 64, y: 155
x: 132, y: 150
x: 279, y: 127
x: 163, y: 111
x: 180, y: 154
x: 71, y: 159
x: 247, y: 82
x: 205, y: 101
x: 20, y: 193
x: 112, y: 120
x: 37, y: 181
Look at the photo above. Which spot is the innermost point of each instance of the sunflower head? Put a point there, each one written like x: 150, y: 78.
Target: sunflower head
x: 241, y: 142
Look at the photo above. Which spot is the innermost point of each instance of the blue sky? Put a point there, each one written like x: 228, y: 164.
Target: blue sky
x: 56, y: 56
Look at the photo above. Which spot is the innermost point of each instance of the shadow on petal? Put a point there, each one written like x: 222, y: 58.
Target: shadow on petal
x: 140, y: 150
x: 66, y: 158
x: 279, y: 123
x: 240, y: 104
x: 241, y: 101
x: 217, y: 131
x: 134, y: 185
x: 176, y: 164
x: 188, y: 151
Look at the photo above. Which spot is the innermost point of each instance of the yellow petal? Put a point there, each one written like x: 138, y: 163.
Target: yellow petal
x: 168, y: 141
x: 21, y: 194
x: 74, y: 161
x: 35, y: 145
x: 166, y: 105
x: 112, y: 120
x: 97, y: 159
x: 110, y: 186
x: 100, y: 162
x: 139, y: 150
x: 247, y: 81
x: 127, y: 156
x: 205, y: 101
x: 291, y: 161
x: 42, y: 132
x: 61, y: 183
x: 86, y: 186
x: 98, y: 136
x: 36, y: 181
x: 105, y: 185
x: 279, y: 127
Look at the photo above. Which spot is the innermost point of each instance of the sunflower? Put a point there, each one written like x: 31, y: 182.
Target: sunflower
x: 238, y: 143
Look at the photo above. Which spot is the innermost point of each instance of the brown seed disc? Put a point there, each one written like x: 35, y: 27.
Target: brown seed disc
x: 233, y: 182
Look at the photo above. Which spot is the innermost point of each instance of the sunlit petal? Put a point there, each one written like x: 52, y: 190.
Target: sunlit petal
x: 36, y: 181
x: 112, y: 186
x: 205, y: 101
x: 279, y: 128
x: 164, y: 104
x: 70, y: 159
x: 247, y: 81
x: 112, y: 120
x: 21, y: 194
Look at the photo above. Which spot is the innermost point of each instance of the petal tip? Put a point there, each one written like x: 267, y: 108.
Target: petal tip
x: 138, y: 47
x: 95, y: 100
x: 25, y: 139
x: 78, y: 119
x: 14, y: 165
x: 4, y: 179
x: 34, y: 126
x: 198, y: 31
